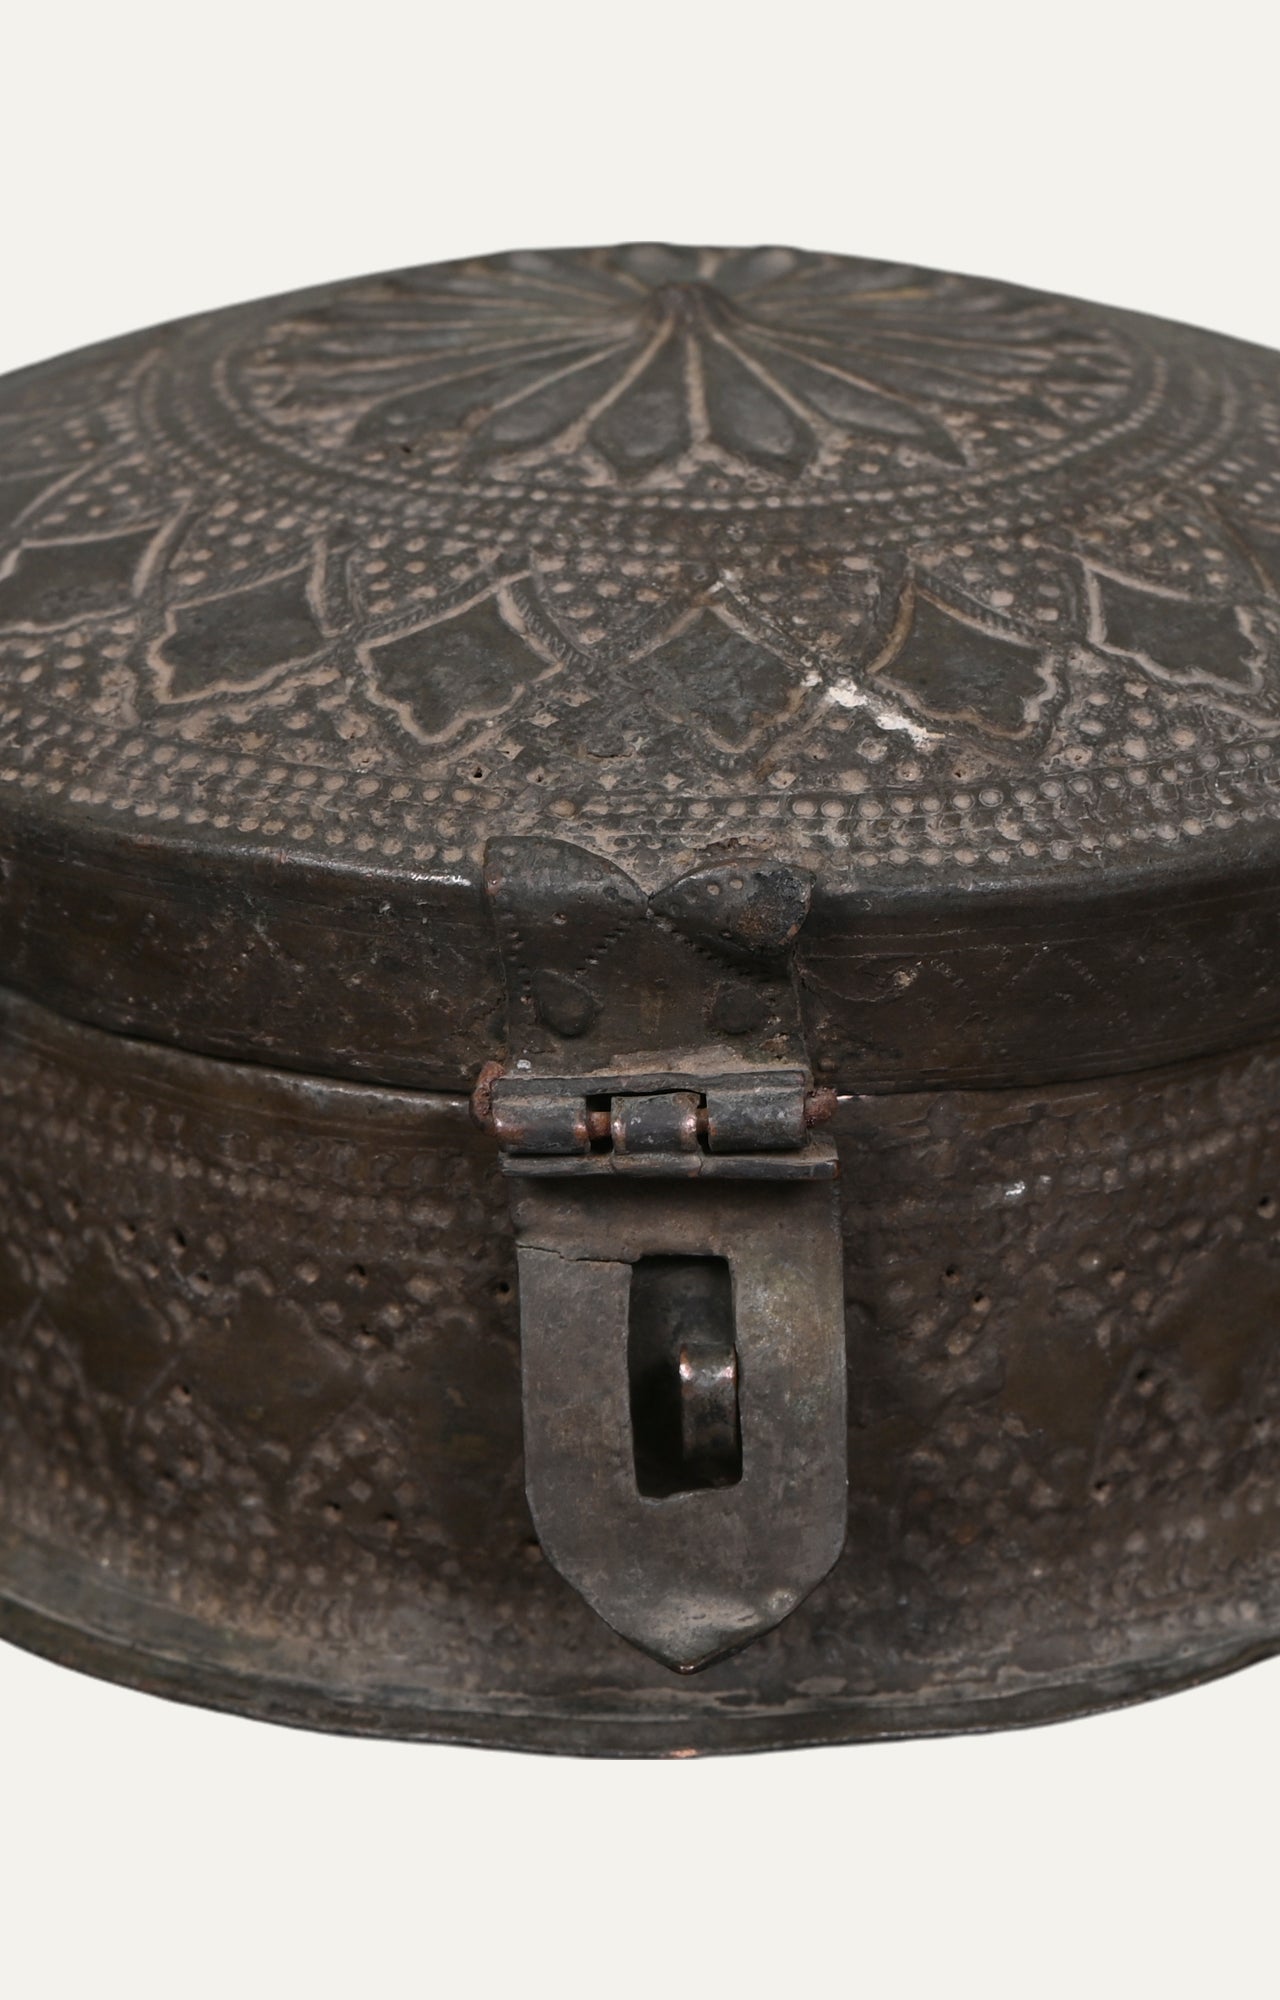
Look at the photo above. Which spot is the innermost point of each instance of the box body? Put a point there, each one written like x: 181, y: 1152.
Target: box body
x: 260, y: 1440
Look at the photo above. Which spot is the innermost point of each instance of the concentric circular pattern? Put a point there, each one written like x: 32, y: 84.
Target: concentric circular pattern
x: 888, y: 569
x: 715, y: 377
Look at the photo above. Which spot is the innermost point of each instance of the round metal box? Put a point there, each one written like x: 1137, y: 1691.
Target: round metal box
x: 724, y: 802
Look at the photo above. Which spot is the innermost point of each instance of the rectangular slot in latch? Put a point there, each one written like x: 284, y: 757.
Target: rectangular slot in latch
x: 682, y: 1364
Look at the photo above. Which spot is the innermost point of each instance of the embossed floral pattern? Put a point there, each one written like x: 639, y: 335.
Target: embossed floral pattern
x: 891, y: 568
x: 637, y: 364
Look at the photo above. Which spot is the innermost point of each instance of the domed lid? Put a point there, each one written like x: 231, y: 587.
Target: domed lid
x: 963, y: 598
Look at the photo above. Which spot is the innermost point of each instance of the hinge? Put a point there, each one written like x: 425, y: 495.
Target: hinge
x: 678, y: 1236
x: 743, y: 1126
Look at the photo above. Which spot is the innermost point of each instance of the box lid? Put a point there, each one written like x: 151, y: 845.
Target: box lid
x: 962, y: 598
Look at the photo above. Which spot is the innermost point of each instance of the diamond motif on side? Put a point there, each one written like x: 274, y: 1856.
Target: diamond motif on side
x: 353, y: 1478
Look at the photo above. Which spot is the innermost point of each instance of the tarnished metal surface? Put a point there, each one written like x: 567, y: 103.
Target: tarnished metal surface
x: 655, y: 1134
x: 604, y: 979
x: 260, y: 1408
x: 961, y: 597
x: 698, y: 1571
x: 719, y: 678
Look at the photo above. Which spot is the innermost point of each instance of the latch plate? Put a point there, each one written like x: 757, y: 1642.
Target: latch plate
x: 652, y: 1120
x: 692, y: 1575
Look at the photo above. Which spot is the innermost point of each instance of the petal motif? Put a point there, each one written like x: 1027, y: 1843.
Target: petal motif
x: 750, y: 416
x: 650, y: 422
x: 956, y: 671
x: 458, y: 670
x: 1185, y: 637
x: 446, y: 401
x: 857, y: 405
x: 19, y: 491
x: 57, y: 583
x: 721, y: 682
x: 760, y: 355
x: 548, y: 406
x: 238, y: 638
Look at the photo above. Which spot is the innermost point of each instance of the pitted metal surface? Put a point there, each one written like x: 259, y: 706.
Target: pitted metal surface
x: 960, y: 597
x: 894, y: 569
x: 665, y: 690
x: 260, y: 1431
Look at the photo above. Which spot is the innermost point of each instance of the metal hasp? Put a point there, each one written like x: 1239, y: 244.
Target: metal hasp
x: 677, y: 1226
